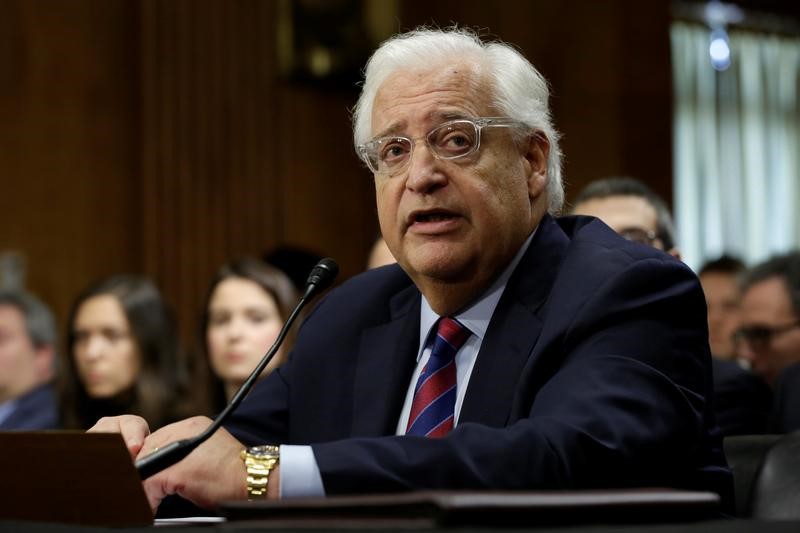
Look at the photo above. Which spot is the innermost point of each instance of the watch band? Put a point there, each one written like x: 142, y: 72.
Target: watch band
x: 259, y: 461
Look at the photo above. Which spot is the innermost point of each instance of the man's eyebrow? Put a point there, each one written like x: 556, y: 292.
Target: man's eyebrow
x: 451, y: 115
x: 397, y: 128
x: 393, y: 129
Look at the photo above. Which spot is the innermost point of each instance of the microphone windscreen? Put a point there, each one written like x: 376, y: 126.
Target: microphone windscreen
x: 323, y: 274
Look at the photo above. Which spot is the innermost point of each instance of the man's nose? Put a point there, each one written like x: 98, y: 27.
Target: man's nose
x: 424, y: 169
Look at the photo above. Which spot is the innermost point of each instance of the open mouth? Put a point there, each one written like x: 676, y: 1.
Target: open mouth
x: 433, y: 217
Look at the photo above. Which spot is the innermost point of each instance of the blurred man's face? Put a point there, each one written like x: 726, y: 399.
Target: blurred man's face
x: 769, y: 328
x: 722, y: 299
x: 631, y: 216
x: 18, y: 356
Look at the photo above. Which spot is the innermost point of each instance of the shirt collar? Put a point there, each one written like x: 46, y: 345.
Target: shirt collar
x: 476, y: 317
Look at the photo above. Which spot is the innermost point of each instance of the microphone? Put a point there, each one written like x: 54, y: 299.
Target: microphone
x: 321, y: 276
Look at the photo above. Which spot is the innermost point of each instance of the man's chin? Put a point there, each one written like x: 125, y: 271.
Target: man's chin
x: 443, y: 268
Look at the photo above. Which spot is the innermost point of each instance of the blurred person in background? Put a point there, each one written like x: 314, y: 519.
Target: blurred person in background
x: 742, y: 401
x: 769, y: 325
x: 122, y: 355
x: 245, y: 307
x: 769, y: 333
x: 27, y: 358
x: 720, y: 281
x: 631, y: 209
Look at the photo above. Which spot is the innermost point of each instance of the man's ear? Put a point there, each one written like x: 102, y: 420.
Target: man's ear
x: 537, y: 150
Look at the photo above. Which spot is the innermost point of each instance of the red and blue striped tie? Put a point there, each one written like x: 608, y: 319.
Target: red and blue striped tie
x: 432, y: 410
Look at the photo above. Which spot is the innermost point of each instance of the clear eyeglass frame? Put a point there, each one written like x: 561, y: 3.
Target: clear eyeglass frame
x: 442, y: 141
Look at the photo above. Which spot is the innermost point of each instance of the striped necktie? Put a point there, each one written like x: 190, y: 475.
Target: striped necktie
x: 433, y: 407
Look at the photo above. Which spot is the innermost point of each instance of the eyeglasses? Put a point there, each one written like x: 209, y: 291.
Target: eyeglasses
x: 760, y: 337
x: 450, y: 140
x: 639, y: 235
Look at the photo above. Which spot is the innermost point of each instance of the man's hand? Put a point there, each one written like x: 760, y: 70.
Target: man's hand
x: 212, y: 473
x: 134, y: 430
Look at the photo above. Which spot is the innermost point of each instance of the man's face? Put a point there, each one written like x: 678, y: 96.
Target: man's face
x: 18, y: 356
x: 453, y: 221
x: 774, y: 340
x: 625, y: 214
x: 722, y: 299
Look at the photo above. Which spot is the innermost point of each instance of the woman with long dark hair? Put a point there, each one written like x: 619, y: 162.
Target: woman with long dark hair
x: 245, y: 307
x: 122, y: 355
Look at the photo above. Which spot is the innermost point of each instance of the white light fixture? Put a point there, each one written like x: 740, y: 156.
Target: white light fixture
x: 719, y: 49
x: 718, y: 16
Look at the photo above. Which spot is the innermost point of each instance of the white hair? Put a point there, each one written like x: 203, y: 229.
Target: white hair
x: 520, y: 92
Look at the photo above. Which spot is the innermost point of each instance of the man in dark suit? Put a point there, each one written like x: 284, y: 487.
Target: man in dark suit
x: 769, y: 325
x: 506, y: 350
x: 769, y: 332
x: 27, y: 352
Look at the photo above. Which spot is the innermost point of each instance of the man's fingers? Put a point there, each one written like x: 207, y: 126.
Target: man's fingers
x: 154, y: 489
x: 133, y: 429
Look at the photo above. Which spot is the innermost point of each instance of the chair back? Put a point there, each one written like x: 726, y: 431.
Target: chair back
x: 746, y: 454
x: 776, y: 493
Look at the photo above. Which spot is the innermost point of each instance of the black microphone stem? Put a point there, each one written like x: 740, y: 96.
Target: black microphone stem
x: 321, y: 276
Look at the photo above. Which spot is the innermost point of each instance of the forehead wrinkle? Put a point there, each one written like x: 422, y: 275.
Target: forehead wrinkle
x: 437, y: 117
x: 456, y: 93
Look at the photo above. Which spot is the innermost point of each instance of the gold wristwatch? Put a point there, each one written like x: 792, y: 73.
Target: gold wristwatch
x: 259, y: 462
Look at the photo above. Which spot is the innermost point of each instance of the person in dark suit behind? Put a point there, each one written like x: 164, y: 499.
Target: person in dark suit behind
x: 769, y: 332
x: 742, y: 400
x: 720, y: 281
x: 786, y: 407
x: 27, y: 357
x: 769, y: 324
x: 506, y: 349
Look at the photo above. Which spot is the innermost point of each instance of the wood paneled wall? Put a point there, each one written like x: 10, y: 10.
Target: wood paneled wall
x: 157, y: 136
x: 209, y: 158
x: 69, y: 142
x: 236, y: 159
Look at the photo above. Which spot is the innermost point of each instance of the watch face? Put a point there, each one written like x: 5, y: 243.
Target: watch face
x: 266, y: 450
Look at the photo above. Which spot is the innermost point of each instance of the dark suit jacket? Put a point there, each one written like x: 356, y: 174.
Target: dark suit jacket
x: 786, y: 410
x: 35, y: 410
x: 594, y: 372
x: 742, y: 400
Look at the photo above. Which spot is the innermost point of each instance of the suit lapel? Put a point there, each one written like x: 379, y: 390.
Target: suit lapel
x: 513, y: 330
x: 386, y: 361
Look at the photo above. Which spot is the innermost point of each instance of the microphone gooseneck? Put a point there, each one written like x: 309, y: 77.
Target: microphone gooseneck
x: 321, y: 276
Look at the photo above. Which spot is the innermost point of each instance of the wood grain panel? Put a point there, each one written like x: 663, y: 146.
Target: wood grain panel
x: 210, y: 184
x: 68, y: 137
